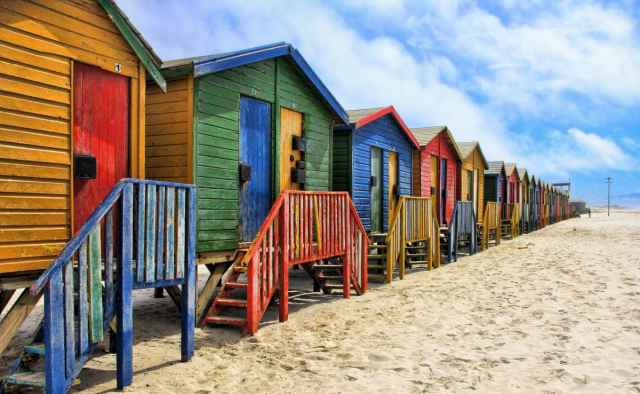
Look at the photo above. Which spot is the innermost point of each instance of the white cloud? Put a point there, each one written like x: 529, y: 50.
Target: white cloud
x: 448, y: 62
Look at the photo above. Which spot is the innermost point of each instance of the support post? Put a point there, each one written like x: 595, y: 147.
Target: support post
x: 124, y: 341
x: 54, y: 334
x: 283, y: 310
x: 346, y: 264
x: 403, y: 237
x: 189, y: 287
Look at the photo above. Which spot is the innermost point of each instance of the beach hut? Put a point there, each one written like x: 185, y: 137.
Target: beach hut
x: 511, y: 217
x: 471, y: 177
x: 495, y: 182
x: 524, y: 200
x: 372, y: 160
x: 73, y: 78
x: 435, y: 168
x: 253, y: 130
x: 533, y: 203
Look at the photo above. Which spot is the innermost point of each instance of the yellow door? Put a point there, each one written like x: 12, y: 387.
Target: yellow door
x: 393, y: 190
x: 290, y: 125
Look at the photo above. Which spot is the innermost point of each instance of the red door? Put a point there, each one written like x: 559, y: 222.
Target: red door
x: 101, y: 130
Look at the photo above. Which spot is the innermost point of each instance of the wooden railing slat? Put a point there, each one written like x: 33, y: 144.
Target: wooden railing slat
x: 108, y: 268
x: 55, y: 374
x: 181, y: 233
x: 170, y: 231
x: 140, y: 238
x: 95, y: 287
x: 69, y: 322
x: 83, y: 305
x: 160, y: 234
x: 151, y: 234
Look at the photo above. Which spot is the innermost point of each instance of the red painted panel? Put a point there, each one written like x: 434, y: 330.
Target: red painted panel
x: 100, y: 129
x: 442, y: 148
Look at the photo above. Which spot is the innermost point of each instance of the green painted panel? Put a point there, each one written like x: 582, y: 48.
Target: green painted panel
x: 341, y: 161
x: 216, y: 135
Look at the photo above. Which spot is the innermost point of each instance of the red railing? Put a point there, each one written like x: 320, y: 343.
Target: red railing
x: 303, y: 227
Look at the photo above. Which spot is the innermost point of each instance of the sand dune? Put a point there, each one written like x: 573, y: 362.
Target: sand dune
x: 554, y: 311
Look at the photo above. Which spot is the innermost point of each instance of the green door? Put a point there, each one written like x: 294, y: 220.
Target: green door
x: 376, y: 190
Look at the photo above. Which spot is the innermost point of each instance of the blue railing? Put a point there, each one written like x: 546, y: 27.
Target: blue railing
x: 463, y: 224
x: 142, y: 235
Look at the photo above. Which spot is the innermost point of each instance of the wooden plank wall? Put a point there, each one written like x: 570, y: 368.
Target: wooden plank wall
x: 441, y: 147
x: 169, y: 133
x: 39, y: 40
x: 342, y: 161
x: 473, y: 161
x: 216, y: 127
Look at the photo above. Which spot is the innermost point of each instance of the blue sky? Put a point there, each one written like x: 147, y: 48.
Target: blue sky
x: 551, y: 85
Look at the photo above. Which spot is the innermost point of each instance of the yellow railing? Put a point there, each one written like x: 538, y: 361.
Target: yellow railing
x: 515, y: 221
x: 413, y: 220
x: 491, y: 222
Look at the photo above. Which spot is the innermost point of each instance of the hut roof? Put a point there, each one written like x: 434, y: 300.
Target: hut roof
x: 523, y: 173
x: 495, y: 168
x: 361, y: 117
x: 509, y: 168
x: 425, y: 135
x: 203, y: 65
x: 134, y: 38
x: 467, y: 148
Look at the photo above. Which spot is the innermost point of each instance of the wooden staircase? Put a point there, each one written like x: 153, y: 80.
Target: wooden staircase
x: 377, y: 257
x: 318, y: 231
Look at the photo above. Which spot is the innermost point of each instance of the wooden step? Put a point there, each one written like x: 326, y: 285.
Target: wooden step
x: 36, y: 349
x: 319, y: 267
x: 378, y: 266
x: 27, y: 378
x: 373, y: 246
x: 416, y: 254
x: 330, y: 277
x: 231, y: 302
x: 419, y: 262
x: 226, y: 320
x: 236, y: 285
x: 240, y: 268
x: 381, y: 277
x: 377, y: 257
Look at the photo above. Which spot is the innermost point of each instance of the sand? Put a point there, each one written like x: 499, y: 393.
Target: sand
x: 554, y: 311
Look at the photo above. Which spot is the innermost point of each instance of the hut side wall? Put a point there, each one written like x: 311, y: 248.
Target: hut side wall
x: 443, y: 148
x: 169, y: 131
x: 341, y: 161
x: 383, y: 133
x: 39, y: 42
x: 216, y: 129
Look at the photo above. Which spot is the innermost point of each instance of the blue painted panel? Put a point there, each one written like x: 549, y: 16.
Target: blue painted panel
x: 255, y: 151
x: 387, y: 135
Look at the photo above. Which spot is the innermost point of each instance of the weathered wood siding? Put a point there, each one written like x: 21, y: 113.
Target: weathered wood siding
x: 441, y: 147
x: 341, y: 161
x: 385, y: 134
x: 39, y: 40
x: 169, y: 153
x: 216, y: 128
x: 473, y: 162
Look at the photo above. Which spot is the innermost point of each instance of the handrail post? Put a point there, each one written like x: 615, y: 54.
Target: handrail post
x: 54, y: 334
x: 189, y: 287
x: 403, y: 235
x: 124, y: 342
x: 283, y: 310
x: 346, y: 266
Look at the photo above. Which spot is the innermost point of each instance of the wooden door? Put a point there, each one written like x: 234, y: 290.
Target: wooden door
x: 290, y: 125
x: 443, y: 191
x: 474, y: 190
x: 376, y: 190
x: 435, y: 183
x: 101, y: 131
x: 255, y: 152
x: 393, y: 190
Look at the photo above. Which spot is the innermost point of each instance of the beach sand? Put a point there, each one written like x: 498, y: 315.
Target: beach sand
x: 554, y: 311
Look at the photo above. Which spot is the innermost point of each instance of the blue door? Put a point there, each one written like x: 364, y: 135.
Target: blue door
x: 255, y: 165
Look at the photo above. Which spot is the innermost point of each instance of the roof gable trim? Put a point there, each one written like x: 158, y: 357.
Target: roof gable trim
x: 390, y: 110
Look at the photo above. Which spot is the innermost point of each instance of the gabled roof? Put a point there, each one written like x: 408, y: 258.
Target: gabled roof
x: 467, y: 148
x: 142, y: 49
x: 204, y: 65
x: 523, y: 173
x: 425, y: 135
x: 495, y: 168
x: 362, y: 117
x: 509, y: 168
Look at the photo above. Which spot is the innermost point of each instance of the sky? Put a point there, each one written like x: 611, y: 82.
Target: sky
x: 551, y: 85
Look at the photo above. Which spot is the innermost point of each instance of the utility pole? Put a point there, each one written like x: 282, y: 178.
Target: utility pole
x: 609, y: 180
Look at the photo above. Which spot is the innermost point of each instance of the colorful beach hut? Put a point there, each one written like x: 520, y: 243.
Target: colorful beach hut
x: 253, y: 130
x: 495, y: 182
x: 472, y: 170
x: 524, y: 199
x: 511, y: 207
x: 533, y: 203
x: 435, y: 168
x: 372, y: 160
x: 73, y: 78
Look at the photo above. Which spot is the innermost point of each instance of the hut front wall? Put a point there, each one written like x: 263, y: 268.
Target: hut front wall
x: 169, y: 131
x: 441, y: 147
x: 384, y: 133
x: 513, y: 185
x: 491, y: 188
x: 216, y: 128
x: 39, y: 42
x: 471, y: 163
